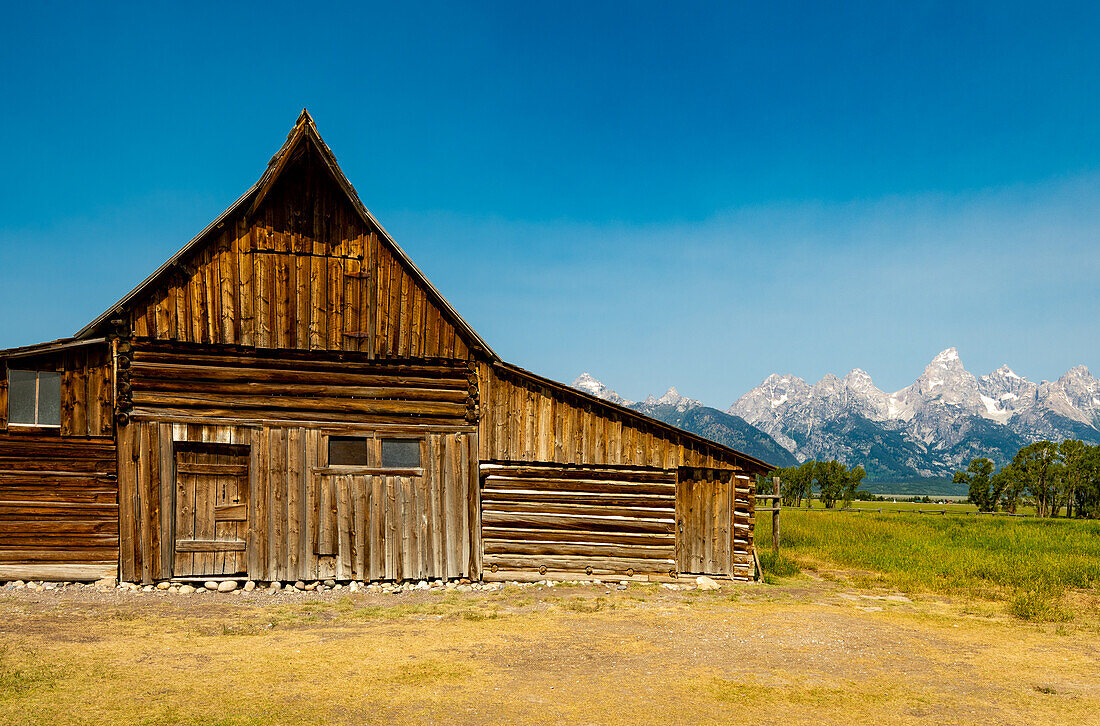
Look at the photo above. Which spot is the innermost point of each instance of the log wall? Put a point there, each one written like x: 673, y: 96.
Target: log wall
x: 544, y: 521
x: 306, y: 272
x: 58, y: 507
x: 173, y: 381
x: 307, y: 520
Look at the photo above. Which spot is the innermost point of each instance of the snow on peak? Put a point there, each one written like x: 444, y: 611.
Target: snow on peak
x: 1078, y: 371
x: 586, y: 382
x: 951, y: 355
x: 857, y: 374
x: 672, y: 397
x: 589, y: 384
x: 1004, y: 372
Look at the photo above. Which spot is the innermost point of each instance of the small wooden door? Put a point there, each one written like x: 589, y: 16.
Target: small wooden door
x: 211, y: 509
x: 705, y: 521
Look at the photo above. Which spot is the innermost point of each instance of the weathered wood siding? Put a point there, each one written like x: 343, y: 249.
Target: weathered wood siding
x: 58, y: 507
x: 307, y: 520
x: 87, y: 401
x: 3, y: 394
x: 221, y: 383
x: 549, y: 521
x: 523, y: 419
x: 305, y: 271
x: 714, y: 509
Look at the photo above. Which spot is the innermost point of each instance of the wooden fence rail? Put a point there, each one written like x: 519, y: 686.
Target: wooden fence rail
x: 882, y: 510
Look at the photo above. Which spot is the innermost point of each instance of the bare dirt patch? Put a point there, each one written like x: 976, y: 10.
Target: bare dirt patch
x: 807, y: 651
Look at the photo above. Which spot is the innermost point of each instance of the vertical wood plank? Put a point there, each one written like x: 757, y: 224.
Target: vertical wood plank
x: 126, y: 514
x: 344, y: 520
x: 258, y: 507
x: 276, y: 498
x: 295, y: 504
x: 167, y: 499
x: 473, y: 512
x: 451, y: 508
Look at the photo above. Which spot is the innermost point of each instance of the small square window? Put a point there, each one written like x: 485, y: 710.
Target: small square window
x: 347, y: 451
x: 401, y: 453
x: 34, y: 398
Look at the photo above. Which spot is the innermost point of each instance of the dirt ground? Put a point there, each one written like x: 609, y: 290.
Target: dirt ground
x: 808, y: 651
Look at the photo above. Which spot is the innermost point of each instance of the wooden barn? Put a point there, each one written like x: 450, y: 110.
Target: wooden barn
x: 289, y: 398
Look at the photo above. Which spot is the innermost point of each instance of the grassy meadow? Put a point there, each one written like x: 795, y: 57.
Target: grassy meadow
x: 1035, y: 566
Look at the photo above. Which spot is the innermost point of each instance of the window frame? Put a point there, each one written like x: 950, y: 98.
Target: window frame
x: 419, y: 453
x: 37, y: 399
x: 367, y: 468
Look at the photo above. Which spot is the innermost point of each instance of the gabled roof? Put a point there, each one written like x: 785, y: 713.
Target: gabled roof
x: 304, y: 131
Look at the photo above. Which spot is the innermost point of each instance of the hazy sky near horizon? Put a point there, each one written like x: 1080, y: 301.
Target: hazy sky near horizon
x: 658, y: 194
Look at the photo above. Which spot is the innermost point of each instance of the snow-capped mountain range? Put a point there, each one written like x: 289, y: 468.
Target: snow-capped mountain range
x: 926, y: 430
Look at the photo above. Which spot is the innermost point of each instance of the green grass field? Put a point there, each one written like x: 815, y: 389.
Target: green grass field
x: 1035, y: 566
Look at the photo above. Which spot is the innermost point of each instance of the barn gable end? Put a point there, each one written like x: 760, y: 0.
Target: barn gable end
x: 297, y: 263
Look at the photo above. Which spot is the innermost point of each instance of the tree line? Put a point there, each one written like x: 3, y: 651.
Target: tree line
x: 833, y: 481
x: 1046, y: 475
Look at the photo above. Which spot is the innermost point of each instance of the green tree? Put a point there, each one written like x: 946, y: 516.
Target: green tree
x: 1039, y: 467
x: 795, y: 483
x: 1083, y: 473
x: 978, y: 478
x: 832, y: 479
x: 1011, y: 486
x: 1075, y: 470
x: 851, y: 484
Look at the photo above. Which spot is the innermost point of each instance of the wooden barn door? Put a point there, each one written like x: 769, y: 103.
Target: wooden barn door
x: 211, y: 509
x: 704, y: 521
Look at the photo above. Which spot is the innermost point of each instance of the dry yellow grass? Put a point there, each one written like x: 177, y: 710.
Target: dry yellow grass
x: 803, y: 652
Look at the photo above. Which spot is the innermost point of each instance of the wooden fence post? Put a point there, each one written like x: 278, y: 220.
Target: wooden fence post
x: 775, y: 514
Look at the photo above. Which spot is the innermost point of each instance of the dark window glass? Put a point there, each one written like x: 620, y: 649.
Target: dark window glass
x: 401, y: 453
x: 49, y: 398
x: 347, y: 451
x: 21, y: 396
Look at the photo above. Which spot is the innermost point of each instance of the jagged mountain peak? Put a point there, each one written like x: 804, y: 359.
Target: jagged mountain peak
x: 672, y: 397
x: 857, y: 374
x: 1005, y: 372
x: 1078, y: 372
x: 589, y: 384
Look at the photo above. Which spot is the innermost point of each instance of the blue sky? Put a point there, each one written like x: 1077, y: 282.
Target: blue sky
x: 655, y: 193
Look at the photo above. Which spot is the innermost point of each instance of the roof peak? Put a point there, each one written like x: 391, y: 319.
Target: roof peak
x: 304, y: 131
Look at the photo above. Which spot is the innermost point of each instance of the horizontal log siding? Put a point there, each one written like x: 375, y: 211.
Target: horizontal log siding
x: 524, y: 420
x: 172, y: 380
x: 58, y: 507
x: 306, y: 522
x: 304, y: 272
x: 556, y: 522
